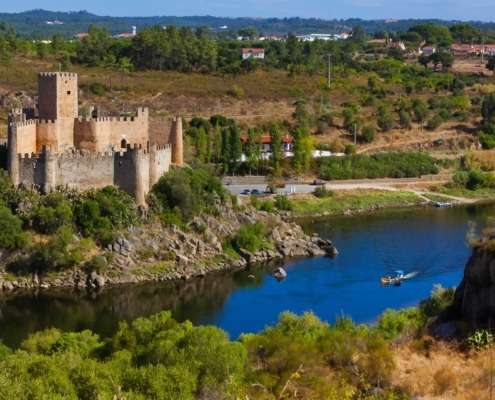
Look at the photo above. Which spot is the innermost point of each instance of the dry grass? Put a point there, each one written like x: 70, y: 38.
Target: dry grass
x: 443, y: 373
x: 484, y: 160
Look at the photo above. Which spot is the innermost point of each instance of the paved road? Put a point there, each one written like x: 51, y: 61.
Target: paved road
x: 383, y: 184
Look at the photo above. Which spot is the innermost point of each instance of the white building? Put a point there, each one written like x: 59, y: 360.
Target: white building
x: 253, y: 53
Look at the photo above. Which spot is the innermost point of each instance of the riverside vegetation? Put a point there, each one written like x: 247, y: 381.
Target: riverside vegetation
x: 159, y: 358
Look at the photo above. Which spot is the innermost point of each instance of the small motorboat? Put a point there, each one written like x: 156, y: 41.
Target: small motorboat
x: 395, y: 280
x: 280, y: 274
x: 440, y: 204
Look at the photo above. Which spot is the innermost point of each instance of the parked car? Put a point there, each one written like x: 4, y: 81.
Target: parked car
x: 246, y: 192
x: 255, y: 192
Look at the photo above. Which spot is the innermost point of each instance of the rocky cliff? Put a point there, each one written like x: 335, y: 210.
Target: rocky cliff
x: 153, y: 252
x: 475, y: 297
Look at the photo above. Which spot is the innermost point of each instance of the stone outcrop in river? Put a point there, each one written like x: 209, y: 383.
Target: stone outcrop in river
x: 152, y: 252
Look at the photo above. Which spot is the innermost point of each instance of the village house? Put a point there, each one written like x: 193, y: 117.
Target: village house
x: 253, y: 53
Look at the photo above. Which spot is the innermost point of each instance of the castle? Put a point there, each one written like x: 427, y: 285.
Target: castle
x: 53, y: 145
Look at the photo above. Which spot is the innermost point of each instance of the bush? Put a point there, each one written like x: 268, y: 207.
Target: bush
x: 11, y: 234
x: 250, y: 237
x: 391, y: 165
x: 350, y: 149
x: 63, y: 251
x: 440, y: 298
x: 98, y: 89
x: 368, y: 134
x: 393, y: 324
x: 322, y: 192
x: 478, y: 180
x: 434, y: 122
x: 101, y: 213
x: 188, y: 192
x: 283, y: 203
x: 53, y: 212
x: 267, y: 206
x: 480, y: 339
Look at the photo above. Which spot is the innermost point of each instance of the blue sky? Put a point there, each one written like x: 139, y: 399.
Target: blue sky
x: 369, y: 9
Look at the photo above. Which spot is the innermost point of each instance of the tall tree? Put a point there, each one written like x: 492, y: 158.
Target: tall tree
x: 276, y: 148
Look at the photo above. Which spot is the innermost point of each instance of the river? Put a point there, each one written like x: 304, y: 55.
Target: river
x: 431, y: 242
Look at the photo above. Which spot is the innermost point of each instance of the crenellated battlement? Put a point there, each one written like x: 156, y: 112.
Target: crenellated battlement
x: 68, y: 75
x: 20, y: 124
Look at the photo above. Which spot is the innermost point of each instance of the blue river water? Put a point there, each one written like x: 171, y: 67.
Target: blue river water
x: 430, y: 242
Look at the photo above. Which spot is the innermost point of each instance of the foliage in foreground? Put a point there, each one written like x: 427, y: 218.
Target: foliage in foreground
x: 159, y: 358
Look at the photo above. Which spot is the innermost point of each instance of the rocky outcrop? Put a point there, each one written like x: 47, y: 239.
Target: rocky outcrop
x: 475, y: 297
x: 153, y: 252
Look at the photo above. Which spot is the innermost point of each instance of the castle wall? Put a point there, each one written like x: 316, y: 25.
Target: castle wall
x: 85, y: 171
x: 47, y: 135
x: 160, y: 160
x: 103, y: 134
x: 26, y: 136
x: 31, y: 170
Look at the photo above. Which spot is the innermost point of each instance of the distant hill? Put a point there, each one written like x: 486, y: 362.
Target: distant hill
x: 43, y: 23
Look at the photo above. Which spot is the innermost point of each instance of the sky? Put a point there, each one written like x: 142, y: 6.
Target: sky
x: 483, y: 10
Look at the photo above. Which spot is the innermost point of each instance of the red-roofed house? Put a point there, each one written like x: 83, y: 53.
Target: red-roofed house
x: 257, y: 54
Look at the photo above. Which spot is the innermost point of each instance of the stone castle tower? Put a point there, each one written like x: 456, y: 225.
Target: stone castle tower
x: 53, y: 146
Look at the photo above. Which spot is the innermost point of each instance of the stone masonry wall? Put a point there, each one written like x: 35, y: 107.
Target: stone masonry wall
x: 103, y: 134
x: 26, y: 136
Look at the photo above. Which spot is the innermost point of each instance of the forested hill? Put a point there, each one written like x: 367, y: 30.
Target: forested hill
x: 39, y: 23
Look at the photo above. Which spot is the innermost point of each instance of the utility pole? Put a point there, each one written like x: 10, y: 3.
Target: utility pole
x: 329, y: 70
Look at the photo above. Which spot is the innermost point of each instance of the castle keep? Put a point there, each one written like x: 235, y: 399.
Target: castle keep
x: 53, y: 145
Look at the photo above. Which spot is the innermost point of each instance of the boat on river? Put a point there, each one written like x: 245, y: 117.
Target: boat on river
x: 395, y: 280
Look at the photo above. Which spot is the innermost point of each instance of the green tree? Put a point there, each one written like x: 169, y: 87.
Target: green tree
x: 94, y: 48
x: 235, y: 147
x: 253, y: 149
x: 11, y: 234
x: 488, y: 109
x: 276, y: 147
x: 385, y: 120
x: 405, y: 119
x: 420, y: 109
x: 490, y: 65
x: 303, y: 150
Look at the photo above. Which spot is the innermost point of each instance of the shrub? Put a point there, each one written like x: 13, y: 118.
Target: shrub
x: 98, y: 89
x: 434, y: 122
x: 11, y: 234
x: 322, y: 192
x: 478, y: 179
x: 63, y: 251
x: 250, y: 237
x: 53, y: 212
x: 480, y: 339
x: 101, y: 213
x: 283, y: 203
x: 392, y: 165
x: 393, y: 324
x: 188, y: 192
x: 267, y: 206
x: 368, y: 134
x: 350, y: 149
x: 440, y: 298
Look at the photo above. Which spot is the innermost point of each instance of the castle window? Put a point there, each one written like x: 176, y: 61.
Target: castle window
x: 123, y: 144
x: 68, y: 91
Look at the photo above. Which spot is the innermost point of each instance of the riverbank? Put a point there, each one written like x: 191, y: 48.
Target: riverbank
x: 362, y: 201
x: 154, y: 252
